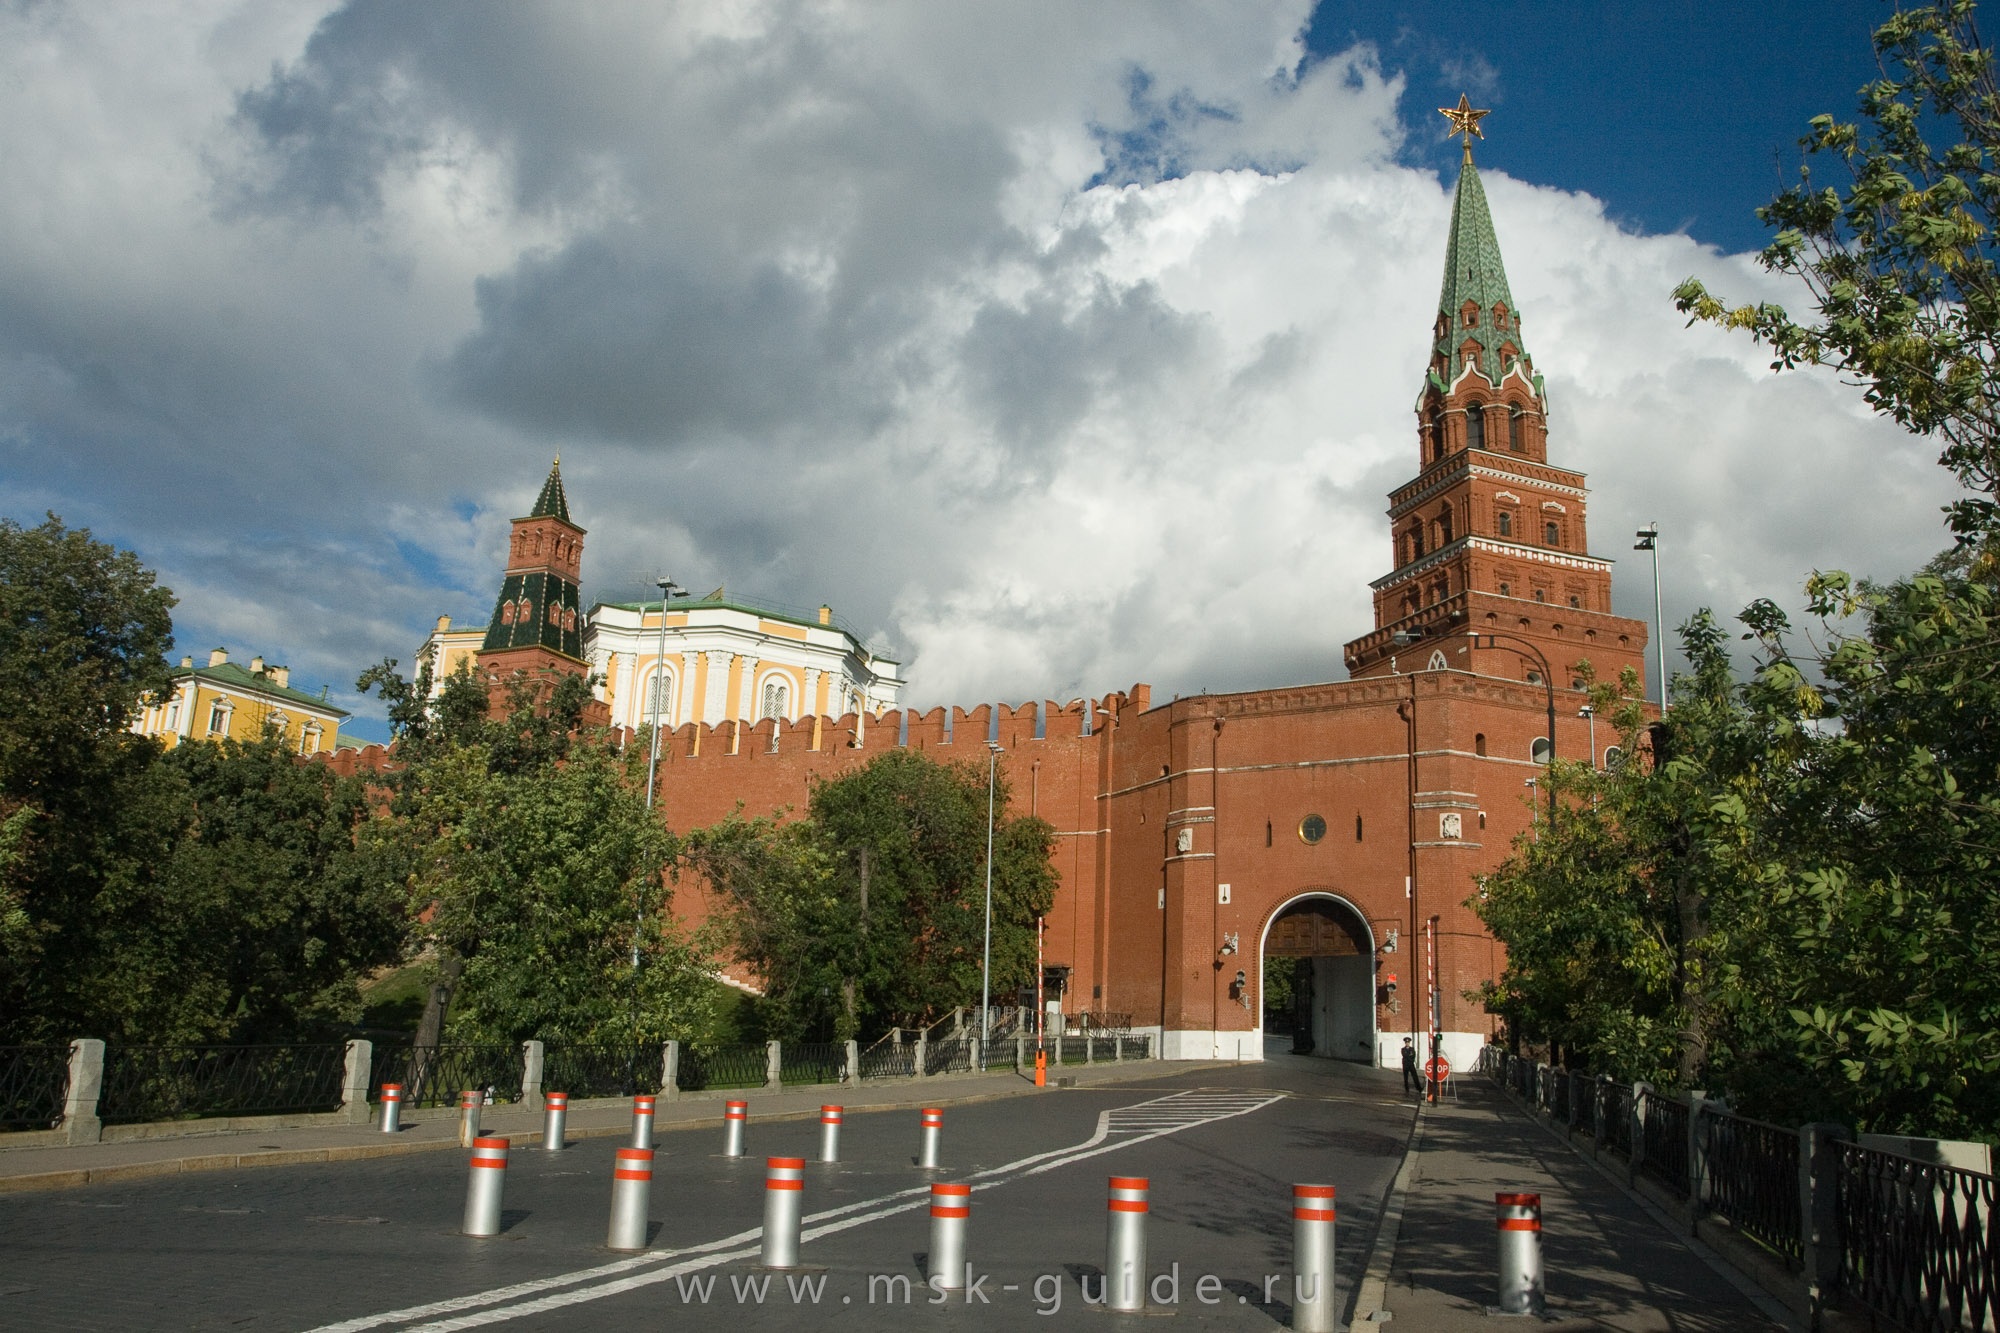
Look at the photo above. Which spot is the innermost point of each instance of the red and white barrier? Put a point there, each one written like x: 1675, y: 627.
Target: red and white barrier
x: 642, y: 1121
x: 951, y: 1205
x: 1125, y: 1244
x: 784, y: 1185
x: 829, y: 1132
x: 929, y: 1138
x: 484, y: 1187
x: 631, y: 1191
x: 392, y: 1107
x: 1313, y: 1306
x: 470, y: 1103
x: 734, y: 1116
x: 1518, y: 1219
x: 555, y: 1117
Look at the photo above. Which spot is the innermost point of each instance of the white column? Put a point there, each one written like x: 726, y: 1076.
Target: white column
x: 810, y: 704
x: 680, y: 708
x: 715, y: 708
x: 746, y: 705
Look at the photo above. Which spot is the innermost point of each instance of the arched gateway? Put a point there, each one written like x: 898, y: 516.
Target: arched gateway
x: 1334, y: 983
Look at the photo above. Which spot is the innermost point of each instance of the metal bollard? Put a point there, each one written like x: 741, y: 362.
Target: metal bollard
x: 392, y: 1107
x: 927, y: 1141
x: 631, y: 1184
x: 1519, y: 1220
x: 784, y: 1183
x: 950, y: 1206
x: 733, y: 1116
x: 642, y: 1121
x: 482, y: 1190
x: 469, y: 1103
x: 829, y: 1133
x: 554, y: 1118
x: 1313, y: 1307
x: 1125, y: 1244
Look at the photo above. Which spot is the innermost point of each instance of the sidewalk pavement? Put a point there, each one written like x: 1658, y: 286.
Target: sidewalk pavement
x: 436, y: 1128
x: 1610, y: 1260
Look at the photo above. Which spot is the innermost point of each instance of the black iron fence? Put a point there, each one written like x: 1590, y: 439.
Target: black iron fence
x: 1918, y: 1241
x: 617, y: 1070
x: 889, y: 1060
x: 435, y: 1075
x: 176, y: 1082
x: 1618, y: 1117
x: 1136, y: 1048
x: 949, y: 1056
x: 1666, y: 1145
x: 716, y: 1067
x: 1752, y: 1179
x: 34, y: 1083
x: 813, y: 1062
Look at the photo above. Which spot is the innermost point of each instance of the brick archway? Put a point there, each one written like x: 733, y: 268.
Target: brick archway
x: 1324, y: 925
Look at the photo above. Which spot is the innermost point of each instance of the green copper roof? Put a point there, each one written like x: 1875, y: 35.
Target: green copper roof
x: 552, y: 503
x: 1473, y: 272
x: 232, y: 676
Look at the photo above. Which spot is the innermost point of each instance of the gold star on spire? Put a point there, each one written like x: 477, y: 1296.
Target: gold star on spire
x: 1464, y: 120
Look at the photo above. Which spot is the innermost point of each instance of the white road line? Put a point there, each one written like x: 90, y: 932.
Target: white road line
x: 544, y: 1294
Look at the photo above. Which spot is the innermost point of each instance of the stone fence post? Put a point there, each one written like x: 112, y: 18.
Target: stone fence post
x: 670, y: 1071
x: 774, y: 1066
x: 531, y: 1074
x: 1600, y: 1089
x: 923, y: 1044
x: 354, y: 1082
x: 1640, y: 1092
x: 1819, y: 1211
x: 1697, y: 1158
x: 86, y: 1082
x: 853, y: 1062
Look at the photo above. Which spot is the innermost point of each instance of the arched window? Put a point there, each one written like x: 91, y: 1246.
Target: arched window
x: 1475, y: 426
x: 1506, y: 524
x: 1576, y: 601
x: 1479, y: 744
x: 1539, y: 751
x: 1614, y: 758
x: 1437, y: 660
x: 1514, y: 431
x: 660, y: 701
x: 506, y: 613
x: 1444, y: 527
x: 775, y: 698
x: 1505, y: 591
x: 1551, y: 535
x: 1538, y: 595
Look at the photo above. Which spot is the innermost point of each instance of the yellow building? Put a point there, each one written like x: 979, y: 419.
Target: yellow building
x: 447, y: 648
x: 223, y: 699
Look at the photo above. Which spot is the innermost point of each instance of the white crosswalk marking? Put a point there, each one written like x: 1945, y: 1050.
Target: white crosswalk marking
x: 1181, y: 1110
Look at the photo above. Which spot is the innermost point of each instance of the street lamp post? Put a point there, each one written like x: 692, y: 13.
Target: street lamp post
x: 993, y: 753
x: 1649, y: 540
x: 1589, y: 714
x: 668, y: 591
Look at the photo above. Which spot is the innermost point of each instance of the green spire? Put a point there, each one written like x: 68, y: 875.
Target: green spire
x: 1473, y: 273
x: 552, y: 503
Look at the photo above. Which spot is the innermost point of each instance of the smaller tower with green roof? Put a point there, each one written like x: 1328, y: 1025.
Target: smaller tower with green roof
x: 538, y: 620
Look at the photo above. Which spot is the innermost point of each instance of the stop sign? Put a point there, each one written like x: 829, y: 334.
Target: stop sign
x: 1437, y: 1067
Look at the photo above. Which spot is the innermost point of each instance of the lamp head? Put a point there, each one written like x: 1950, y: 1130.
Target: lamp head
x: 1586, y: 711
x: 1403, y: 638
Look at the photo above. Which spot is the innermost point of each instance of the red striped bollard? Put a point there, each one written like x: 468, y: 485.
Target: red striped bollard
x: 469, y: 1103
x: 1125, y: 1244
x: 642, y: 1121
x: 392, y: 1107
x: 829, y: 1132
x: 631, y: 1186
x: 1518, y: 1218
x: 927, y: 1141
x: 482, y: 1190
x: 555, y: 1116
x: 733, y: 1116
x: 1313, y: 1307
x: 784, y: 1185
x: 950, y: 1206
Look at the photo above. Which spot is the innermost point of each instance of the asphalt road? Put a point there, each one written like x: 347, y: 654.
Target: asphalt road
x: 375, y: 1244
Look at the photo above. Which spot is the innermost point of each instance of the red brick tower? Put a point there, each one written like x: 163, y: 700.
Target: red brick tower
x: 1489, y: 537
x: 537, y: 625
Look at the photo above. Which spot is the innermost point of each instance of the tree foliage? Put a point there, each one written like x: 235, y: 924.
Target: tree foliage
x: 870, y: 910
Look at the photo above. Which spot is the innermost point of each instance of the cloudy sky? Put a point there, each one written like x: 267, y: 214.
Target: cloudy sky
x: 1057, y: 346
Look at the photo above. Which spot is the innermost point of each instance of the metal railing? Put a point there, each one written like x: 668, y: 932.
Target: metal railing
x: 1918, y: 1241
x: 435, y: 1075
x: 617, y: 1070
x: 813, y: 1062
x: 949, y: 1056
x: 706, y: 1067
x: 34, y: 1083
x: 1618, y: 1117
x: 1752, y: 1179
x: 1666, y: 1146
x: 176, y: 1082
x: 891, y: 1061
x: 1135, y: 1048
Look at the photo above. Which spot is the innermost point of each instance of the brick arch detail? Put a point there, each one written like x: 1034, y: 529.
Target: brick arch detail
x: 1284, y: 905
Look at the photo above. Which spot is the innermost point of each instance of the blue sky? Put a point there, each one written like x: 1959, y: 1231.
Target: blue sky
x: 1056, y: 346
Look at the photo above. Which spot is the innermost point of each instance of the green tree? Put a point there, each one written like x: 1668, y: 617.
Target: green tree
x: 84, y: 631
x: 870, y: 911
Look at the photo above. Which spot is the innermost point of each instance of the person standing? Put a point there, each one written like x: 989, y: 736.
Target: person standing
x: 1411, y: 1078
